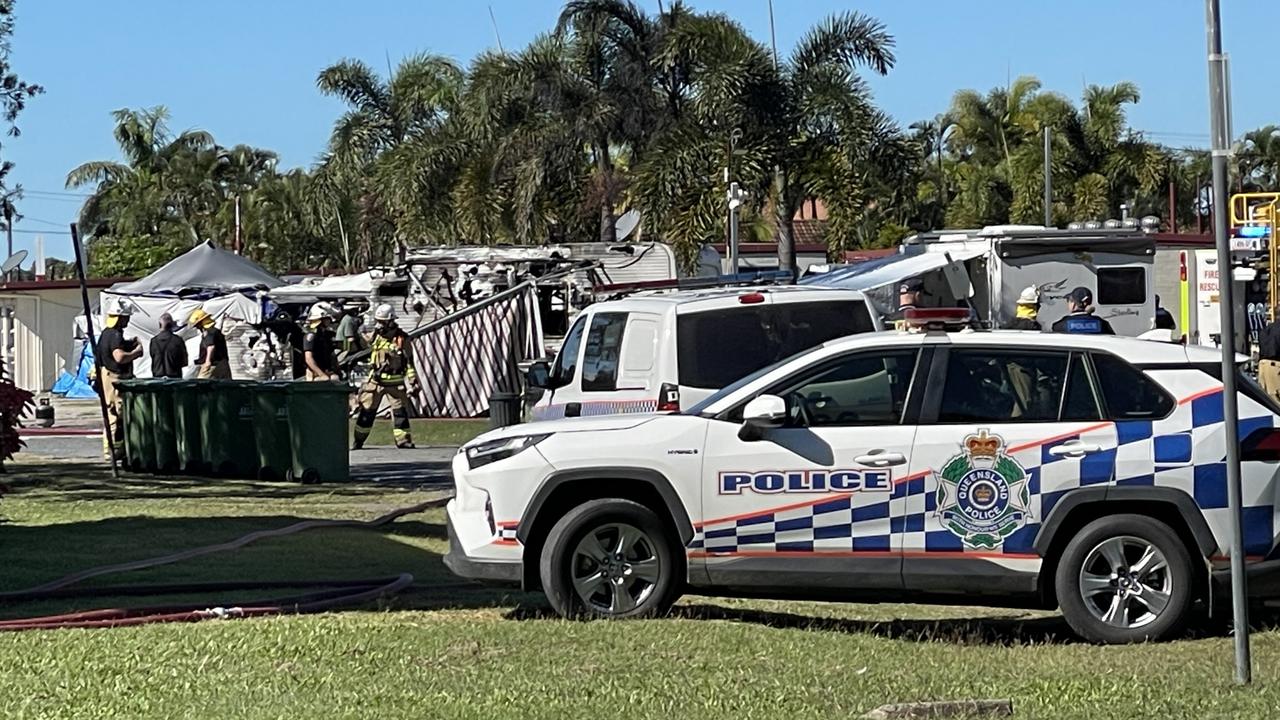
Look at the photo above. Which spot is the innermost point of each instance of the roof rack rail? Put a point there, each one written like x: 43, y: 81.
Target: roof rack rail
x: 764, y: 277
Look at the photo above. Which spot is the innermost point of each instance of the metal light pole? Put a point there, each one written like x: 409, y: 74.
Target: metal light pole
x: 1048, y: 178
x: 735, y: 201
x: 1218, y: 113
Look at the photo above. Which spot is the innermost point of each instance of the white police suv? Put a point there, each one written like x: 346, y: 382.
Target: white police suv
x: 1003, y: 468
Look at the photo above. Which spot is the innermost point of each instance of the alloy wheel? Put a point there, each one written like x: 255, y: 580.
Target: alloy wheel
x: 1125, y: 582
x: 615, y: 568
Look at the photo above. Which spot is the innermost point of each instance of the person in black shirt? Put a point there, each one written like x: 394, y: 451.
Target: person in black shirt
x: 910, y: 292
x: 1080, y: 318
x: 1269, y: 359
x: 168, y: 351
x: 317, y: 346
x: 213, y: 359
x: 116, y: 354
x: 1164, y: 318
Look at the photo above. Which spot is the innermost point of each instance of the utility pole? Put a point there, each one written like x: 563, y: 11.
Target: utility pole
x: 1048, y: 177
x: 8, y: 225
x: 734, y: 197
x: 786, y: 238
x: 1219, y: 104
x: 237, y: 247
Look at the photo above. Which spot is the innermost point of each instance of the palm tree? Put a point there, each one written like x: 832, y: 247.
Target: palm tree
x: 414, y: 102
x: 152, y: 188
x: 1258, y: 153
x: 828, y: 119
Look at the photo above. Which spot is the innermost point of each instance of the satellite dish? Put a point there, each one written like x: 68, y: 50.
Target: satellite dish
x: 626, y: 224
x: 14, y: 261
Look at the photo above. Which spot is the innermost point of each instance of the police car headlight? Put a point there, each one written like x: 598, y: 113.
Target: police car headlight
x: 492, y: 451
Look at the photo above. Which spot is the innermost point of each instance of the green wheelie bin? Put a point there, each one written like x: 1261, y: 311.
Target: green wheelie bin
x: 139, y: 444
x: 318, y: 431
x: 164, y: 425
x: 131, y: 424
x: 226, y: 428
x: 187, y: 397
x: 271, y: 425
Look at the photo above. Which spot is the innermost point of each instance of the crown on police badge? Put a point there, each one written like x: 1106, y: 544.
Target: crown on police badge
x: 982, y: 444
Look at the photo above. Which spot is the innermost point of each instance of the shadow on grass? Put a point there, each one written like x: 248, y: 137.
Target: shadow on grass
x: 78, y: 482
x: 998, y: 630
x: 1004, y: 631
x: 39, y: 554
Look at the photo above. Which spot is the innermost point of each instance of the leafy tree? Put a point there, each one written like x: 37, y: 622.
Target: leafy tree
x: 14, y: 93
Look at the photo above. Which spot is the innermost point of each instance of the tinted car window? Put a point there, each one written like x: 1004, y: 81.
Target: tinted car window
x: 567, y: 360
x: 862, y: 389
x: 1122, y: 286
x: 1080, y: 402
x: 717, y: 347
x: 1002, y: 386
x: 1127, y: 393
x: 602, y: 350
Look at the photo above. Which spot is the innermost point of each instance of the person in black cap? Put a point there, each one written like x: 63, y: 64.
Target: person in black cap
x: 909, y: 293
x: 1080, y: 318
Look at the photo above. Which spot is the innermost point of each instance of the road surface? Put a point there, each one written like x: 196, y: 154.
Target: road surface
x: 424, y: 466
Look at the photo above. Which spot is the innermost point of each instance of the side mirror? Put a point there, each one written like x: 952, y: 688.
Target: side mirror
x: 762, y: 413
x: 538, y: 375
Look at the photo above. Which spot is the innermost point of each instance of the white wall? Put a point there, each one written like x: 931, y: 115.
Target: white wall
x: 43, y: 327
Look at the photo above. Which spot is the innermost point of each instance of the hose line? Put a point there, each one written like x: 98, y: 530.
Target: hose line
x: 339, y: 593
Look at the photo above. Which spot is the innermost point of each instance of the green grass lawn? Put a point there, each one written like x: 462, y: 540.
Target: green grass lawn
x: 430, y: 432
x: 452, y: 650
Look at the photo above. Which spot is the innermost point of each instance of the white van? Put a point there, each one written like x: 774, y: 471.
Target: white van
x: 666, y: 351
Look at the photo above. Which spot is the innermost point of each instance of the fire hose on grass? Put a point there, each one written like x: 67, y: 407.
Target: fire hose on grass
x: 337, y: 593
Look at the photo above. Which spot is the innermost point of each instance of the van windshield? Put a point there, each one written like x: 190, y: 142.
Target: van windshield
x: 717, y: 347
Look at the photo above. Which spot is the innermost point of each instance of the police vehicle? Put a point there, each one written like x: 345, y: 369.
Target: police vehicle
x: 1004, y: 468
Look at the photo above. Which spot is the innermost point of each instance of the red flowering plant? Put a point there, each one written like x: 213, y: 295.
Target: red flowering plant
x: 14, y: 403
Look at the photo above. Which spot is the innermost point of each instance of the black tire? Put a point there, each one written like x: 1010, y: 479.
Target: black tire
x: 657, y: 548
x: 1138, y: 595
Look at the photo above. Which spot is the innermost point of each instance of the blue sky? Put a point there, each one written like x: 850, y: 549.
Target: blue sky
x: 245, y: 69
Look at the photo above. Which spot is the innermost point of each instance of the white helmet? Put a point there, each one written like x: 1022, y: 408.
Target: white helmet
x: 1030, y: 296
x: 122, y: 308
x: 384, y: 312
x: 318, y: 311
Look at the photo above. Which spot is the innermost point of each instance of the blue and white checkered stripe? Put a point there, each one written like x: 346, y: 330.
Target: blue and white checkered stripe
x: 1184, y: 451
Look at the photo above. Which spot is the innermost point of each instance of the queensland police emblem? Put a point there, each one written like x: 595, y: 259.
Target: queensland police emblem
x: 982, y: 493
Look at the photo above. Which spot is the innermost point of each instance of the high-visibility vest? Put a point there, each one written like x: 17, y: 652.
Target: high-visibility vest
x: 390, y: 359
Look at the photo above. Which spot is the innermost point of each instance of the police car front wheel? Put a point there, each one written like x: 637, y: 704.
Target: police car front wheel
x: 610, y: 558
x: 1125, y: 578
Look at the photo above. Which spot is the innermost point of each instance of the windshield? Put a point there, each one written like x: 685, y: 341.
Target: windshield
x: 701, y: 407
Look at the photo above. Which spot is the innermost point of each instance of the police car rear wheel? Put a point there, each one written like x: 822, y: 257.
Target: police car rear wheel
x: 1125, y: 578
x: 609, y: 558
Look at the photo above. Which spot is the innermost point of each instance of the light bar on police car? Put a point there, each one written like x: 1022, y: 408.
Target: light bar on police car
x: 936, y: 318
x: 492, y: 451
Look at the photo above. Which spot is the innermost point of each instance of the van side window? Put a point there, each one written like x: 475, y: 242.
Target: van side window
x: 602, y: 351
x: 716, y: 347
x: 1127, y: 392
x: 1122, y: 286
x: 567, y: 359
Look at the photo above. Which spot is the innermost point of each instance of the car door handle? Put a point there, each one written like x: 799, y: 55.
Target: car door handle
x: 1074, y: 449
x: 881, y: 459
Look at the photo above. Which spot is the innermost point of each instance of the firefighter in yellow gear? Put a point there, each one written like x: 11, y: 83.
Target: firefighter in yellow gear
x: 391, y: 374
x: 116, y: 354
